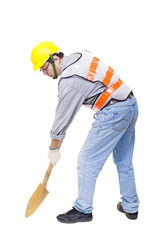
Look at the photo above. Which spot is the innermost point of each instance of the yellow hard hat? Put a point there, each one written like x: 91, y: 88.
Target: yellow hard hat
x: 41, y: 53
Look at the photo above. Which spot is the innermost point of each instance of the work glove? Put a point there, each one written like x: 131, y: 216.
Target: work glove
x: 54, y: 156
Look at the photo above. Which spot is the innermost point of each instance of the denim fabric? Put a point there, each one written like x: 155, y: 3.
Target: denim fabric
x: 112, y: 131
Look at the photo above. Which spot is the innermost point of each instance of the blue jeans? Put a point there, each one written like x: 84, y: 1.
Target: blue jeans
x: 112, y: 131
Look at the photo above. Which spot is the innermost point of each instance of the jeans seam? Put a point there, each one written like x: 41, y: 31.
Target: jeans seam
x: 86, y: 170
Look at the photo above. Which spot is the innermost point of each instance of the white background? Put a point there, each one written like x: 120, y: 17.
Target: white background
x: 125, y: 34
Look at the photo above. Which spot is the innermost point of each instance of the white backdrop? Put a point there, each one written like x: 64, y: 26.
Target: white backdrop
x: 125, y: 34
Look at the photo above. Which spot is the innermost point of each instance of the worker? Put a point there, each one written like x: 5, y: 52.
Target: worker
x: 86, y: 80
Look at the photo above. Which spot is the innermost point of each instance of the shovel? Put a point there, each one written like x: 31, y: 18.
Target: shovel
x: 40, y: 193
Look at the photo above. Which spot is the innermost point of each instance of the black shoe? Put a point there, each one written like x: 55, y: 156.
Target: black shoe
x: 131, y: 216
x: 74, y: 216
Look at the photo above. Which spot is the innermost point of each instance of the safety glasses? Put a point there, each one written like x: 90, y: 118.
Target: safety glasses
x: 45, y: 69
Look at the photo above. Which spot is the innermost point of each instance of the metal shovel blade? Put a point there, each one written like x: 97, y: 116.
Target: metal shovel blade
x: 36, y: 199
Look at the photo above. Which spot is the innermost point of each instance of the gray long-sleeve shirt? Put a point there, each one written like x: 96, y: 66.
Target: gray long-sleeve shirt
x: 73, y: 92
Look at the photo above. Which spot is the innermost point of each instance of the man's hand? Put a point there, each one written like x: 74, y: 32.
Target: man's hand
x: 54, y: 156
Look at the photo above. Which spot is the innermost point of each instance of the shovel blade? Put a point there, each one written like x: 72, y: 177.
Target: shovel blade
x: 36, y: 199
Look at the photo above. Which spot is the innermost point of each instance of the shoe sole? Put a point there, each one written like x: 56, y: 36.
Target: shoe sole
x: 79, y: 220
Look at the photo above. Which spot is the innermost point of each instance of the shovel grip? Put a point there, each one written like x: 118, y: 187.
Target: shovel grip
x: 48, y: 172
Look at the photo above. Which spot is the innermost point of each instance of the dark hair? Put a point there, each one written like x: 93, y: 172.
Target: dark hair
x: 59, y: 54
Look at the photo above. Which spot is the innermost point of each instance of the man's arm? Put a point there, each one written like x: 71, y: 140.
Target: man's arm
x: 70, y: 101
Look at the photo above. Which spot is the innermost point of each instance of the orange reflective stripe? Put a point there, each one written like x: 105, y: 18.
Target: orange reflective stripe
x: 92, y: 69
x: 103, y: 98
x: 108, y: 76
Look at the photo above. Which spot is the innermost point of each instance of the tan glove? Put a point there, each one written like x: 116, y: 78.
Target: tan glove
x: 54, y: 156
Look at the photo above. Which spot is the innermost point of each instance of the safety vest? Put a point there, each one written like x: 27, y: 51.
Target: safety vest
x: 90, y: 68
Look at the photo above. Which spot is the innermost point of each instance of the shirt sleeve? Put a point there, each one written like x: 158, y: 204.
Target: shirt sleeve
x: 69, y: 102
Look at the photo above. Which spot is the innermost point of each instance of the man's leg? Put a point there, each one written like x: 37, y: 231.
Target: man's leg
x: 100, y: 142
x: 123, y: 153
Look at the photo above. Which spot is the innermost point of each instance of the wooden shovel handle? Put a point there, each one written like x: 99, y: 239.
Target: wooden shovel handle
x: 48, y: 172
x: 47, y: 175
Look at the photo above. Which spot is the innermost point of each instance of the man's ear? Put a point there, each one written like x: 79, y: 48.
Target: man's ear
x: 56, y: 59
